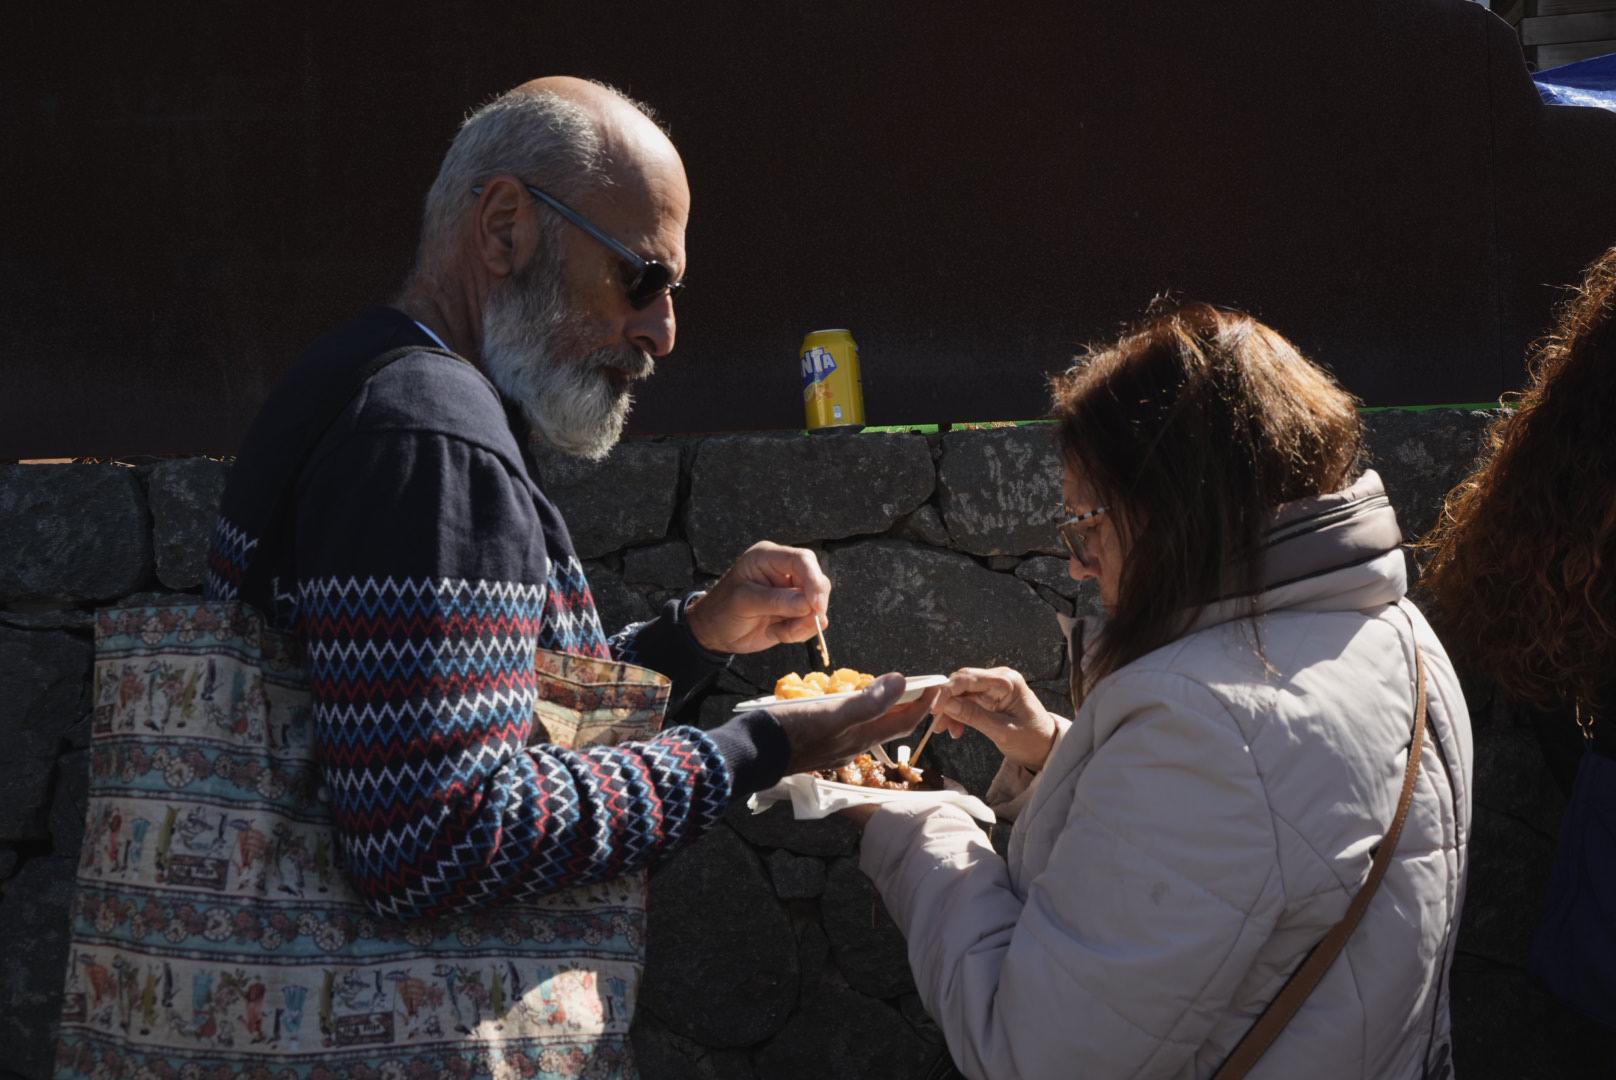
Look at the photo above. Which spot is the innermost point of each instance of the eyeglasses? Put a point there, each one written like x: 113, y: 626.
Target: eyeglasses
x: 1074, y: 536
x: 650, y: 278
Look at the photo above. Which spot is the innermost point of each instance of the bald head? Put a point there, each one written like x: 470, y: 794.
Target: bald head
x: 566, y: 135
x: 634, y: 151
x: 601, y: 102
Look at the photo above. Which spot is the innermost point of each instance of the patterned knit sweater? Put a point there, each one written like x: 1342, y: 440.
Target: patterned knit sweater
x: 422, y: 566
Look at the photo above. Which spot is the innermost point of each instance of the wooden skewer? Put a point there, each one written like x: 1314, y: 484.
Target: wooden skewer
x: 924, y: 739
x: 824, y: 652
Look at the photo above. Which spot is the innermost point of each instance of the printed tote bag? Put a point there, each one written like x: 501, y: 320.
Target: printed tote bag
x: 213, y: 937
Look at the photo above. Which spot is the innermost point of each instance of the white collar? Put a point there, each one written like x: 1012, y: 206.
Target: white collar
x: 427, y: 330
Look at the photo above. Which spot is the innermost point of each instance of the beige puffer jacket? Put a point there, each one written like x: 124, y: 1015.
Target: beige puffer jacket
x: 1197, y: 829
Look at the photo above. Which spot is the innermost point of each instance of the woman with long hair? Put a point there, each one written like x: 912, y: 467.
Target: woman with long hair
x: 1522, y: 575
x: 1522, y: 570
x: 1249, y: 721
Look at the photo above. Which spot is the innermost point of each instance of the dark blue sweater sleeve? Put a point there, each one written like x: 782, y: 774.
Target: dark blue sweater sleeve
x: 754, y: 744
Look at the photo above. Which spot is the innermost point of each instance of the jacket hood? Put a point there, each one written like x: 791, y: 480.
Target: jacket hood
x: 1336, y: 552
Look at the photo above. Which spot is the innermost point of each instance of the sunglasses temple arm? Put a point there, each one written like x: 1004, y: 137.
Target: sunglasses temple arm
x: 587, y: 226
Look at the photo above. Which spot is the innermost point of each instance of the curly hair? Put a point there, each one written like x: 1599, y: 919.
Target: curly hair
x: 1521, y: 576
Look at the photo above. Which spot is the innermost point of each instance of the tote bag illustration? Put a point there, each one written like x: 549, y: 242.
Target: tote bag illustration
x: 214, y: 936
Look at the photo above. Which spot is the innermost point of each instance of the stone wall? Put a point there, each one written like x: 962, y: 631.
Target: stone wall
x: 770, y: 954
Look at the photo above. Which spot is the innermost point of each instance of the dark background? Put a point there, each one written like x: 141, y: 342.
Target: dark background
x: 194, y: 191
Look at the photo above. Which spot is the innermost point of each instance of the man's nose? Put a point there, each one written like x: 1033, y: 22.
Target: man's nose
x: 652, y: 328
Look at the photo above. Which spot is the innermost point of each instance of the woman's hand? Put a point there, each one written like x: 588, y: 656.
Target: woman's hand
x: 998, y: 703
x: 859, y: 813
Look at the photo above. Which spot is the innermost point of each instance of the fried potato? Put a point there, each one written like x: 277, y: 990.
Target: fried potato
x: 815, y: 683
x: 791, y: 686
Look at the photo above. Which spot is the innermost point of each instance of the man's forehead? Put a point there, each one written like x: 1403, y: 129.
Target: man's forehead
x: 647, y: 212
x: 638, y: 154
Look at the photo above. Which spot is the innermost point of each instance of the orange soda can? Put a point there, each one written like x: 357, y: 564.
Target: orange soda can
x: 832, y: 391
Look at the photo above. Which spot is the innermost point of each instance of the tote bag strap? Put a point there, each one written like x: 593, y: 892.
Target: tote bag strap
x: 1262, y: 1034
x: 279, y: 525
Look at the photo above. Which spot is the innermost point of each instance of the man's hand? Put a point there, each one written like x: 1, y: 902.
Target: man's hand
x: 770, y: 595
x: 998, y: 703
x: 827, y: 733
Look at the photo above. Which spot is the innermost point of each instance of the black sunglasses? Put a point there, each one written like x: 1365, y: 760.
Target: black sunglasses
x: 651, y: 279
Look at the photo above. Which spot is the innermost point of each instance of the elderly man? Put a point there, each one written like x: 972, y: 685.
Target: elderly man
x: 434, y: 585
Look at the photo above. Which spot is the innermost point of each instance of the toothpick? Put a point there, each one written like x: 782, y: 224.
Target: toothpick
x: 924, y: 739
x: 824, y: 652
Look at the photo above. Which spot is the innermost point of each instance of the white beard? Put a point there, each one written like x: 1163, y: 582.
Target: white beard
x: 529, y: 349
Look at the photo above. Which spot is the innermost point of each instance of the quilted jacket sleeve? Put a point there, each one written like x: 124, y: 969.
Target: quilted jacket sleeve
x: 1159, y: 888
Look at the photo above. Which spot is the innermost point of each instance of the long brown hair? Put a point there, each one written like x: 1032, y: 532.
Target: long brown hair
x: 1192, y: 428
x: 1521, y: 576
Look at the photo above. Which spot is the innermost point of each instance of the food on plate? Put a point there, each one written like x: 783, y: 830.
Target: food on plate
x: 865, y: 771
x: 818, y: 683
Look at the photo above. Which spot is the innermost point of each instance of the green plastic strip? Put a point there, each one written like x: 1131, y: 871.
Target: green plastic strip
x: 977, y: 425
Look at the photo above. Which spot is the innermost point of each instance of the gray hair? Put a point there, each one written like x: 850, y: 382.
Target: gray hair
x: 542, y: 137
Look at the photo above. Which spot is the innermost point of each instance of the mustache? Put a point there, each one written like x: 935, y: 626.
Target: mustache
x: 635, y: 363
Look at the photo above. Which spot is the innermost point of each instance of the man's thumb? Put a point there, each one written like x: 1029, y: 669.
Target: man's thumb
x: 879, y: 696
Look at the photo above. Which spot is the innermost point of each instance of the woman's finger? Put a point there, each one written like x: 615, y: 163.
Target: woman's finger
x: 955, y: 704
x: 967, y: 679
x: 971, y: 714
x: 995, y: 684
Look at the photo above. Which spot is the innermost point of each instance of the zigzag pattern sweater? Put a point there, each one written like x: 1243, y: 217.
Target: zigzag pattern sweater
x: 423, y: 568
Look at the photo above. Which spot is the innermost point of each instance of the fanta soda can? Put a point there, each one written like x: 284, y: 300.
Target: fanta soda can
x: 832, y: 392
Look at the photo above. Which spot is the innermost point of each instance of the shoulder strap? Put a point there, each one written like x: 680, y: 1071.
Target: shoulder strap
x: 1297, y: 988
x: 279, y: 525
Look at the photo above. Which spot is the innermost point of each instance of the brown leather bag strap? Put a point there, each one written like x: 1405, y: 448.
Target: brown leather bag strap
x: 1295, y: 991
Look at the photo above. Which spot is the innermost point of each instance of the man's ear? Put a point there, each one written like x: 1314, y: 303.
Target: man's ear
x: 504, y: 227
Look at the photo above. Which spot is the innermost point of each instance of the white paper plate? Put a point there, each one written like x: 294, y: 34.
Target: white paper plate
x: 913, y: 686
x: 812, y: 798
